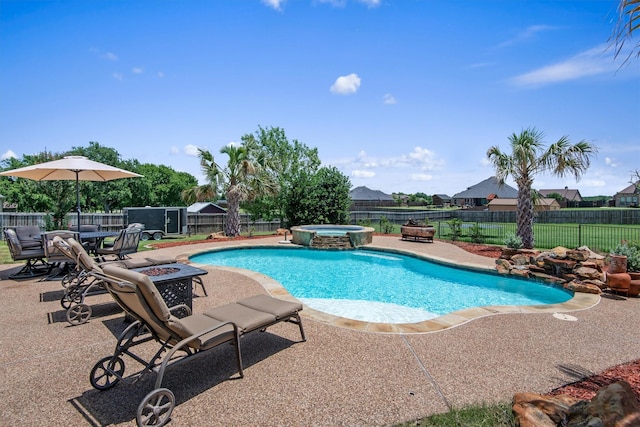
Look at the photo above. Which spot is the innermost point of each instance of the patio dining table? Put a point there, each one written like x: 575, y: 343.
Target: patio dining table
x: 97, y: 236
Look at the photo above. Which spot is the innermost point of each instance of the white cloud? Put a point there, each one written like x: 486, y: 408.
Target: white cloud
x: 160, y: 74
x: 274, y: 4
x: 346, y: 85
x: 611, y: 162
x: 137, y: 70
x: 110, y: 56
x: 118, y: 76
x: 388, y: 99
x: 589, y: 63
x: 8, y: 155
x: 529, y: 33
x: 363, y: 174
x: 593, y: 183
x: 421, y: 177
x: 370, y: 3
x: 191, y: 150
x: 174, y: 150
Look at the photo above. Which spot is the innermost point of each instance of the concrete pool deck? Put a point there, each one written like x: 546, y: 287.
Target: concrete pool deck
x: 339, y: 377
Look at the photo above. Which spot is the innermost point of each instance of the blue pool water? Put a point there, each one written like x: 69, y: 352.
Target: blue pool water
x: 382, y: 287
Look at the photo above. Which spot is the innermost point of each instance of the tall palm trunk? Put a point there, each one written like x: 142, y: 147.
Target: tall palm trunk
x: 524, y: 213
x: 233, y: 214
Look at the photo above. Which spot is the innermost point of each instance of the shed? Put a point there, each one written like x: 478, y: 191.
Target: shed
x: 441, y: 200
x: 205, y: 208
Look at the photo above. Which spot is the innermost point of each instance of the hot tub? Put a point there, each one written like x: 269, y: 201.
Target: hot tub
x: 358, y: 236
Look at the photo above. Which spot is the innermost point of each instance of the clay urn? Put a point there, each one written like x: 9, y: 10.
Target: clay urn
x: 634, y: 287
x: 617, y: 264
x: 619, y: 282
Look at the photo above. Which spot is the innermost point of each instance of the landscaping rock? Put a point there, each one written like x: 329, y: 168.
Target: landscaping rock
x: 588, y: 273
x: 592, y: 254
x: 520, y: 259
x: 578, y: 255
x: 577, y: 286
x: 614, y: 405
x: 559, y: 252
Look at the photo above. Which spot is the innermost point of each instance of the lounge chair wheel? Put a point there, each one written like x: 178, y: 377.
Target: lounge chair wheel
x: 156, y: 407
x: 72, y: 295
x: 157, y: 236
x: 107, y: 373
x: 78, y: 314
x: 144, y: 236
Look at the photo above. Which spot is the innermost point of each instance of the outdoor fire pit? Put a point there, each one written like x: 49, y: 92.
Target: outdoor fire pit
x: 175, y: 283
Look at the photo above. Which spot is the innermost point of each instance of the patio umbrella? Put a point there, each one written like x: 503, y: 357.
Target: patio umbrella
x: 70, y: 168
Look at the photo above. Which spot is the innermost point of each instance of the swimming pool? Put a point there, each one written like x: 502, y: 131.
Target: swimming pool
x: 376, y: 286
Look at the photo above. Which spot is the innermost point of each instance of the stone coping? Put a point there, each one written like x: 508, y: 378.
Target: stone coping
x: 580, y: 301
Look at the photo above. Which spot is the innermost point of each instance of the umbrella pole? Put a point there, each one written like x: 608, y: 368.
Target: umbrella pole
x: 78, y: 199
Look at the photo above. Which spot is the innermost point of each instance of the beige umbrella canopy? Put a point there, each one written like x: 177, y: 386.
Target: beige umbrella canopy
x: 71, y: 168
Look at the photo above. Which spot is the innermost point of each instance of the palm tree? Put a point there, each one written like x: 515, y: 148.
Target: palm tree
x: 528, y: 158
x: 242, y: 179
x: 628, y: 22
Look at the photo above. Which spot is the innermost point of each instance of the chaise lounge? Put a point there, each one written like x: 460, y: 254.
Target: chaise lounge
x: 193, y: 334
x: 415, y: 231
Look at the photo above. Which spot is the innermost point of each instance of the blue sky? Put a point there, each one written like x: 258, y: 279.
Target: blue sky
x: 400, y: 95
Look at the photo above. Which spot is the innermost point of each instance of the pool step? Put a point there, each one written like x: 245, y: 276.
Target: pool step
x: 331, y: 242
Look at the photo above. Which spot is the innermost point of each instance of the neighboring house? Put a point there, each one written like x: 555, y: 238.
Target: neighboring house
x: 441, y: 200
x: 363, y: 197
x: 629, y: 197
x: 571, y: 196
x: 205, y: 208
x: 543, y: 204
x: 483, y: 192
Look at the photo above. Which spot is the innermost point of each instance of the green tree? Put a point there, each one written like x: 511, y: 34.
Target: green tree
x: 318, y: 198
x: 242, y: 179
x: 283, y: 161
x: 529, y: 158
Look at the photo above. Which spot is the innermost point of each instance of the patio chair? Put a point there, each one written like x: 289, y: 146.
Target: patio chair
x: 34, y: 257
x: 29, y: 236
x: 126, y: 243
x: 195, y: 333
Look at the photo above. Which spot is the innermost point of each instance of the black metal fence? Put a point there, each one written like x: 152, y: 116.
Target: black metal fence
x: 597, y: 237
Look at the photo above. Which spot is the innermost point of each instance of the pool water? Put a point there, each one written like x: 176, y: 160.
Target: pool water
x: 383, y: 287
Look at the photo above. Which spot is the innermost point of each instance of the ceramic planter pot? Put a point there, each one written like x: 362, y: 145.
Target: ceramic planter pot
x: 617, y: 264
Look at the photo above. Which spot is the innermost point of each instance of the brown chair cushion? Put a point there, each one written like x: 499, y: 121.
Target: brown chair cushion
x: 194, y: 324
x: 247, y: 319
x: 13, y: 239
x: 277, y: 307
x: 146, y: 286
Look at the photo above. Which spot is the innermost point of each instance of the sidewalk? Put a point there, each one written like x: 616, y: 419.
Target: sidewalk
x: 338, y: 377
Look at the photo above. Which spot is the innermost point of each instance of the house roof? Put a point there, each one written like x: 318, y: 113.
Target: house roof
x: 513, y: 202
x: 570, y: 194
x: 442, y: 196
x: 364, y: 193
x: 632, y: 189
x: 487, y: 187
x: 198, y: 206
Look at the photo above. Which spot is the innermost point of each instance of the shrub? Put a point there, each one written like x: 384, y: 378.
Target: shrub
x: 475, y: 232
x: 366, y: 222
x: 386, y: 226
x: 455, y: 225
x: 512, y: 241
x: 632, y: 252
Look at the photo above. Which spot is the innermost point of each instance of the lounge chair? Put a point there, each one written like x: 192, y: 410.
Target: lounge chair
x: 126, y: 243
x: 29, y: 236
x: 34, y: 256
x: 79, y: 283
x: 195, y: 333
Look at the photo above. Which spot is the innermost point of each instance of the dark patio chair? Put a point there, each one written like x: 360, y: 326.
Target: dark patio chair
x: 34, y: 256
x: 29, y: 236
x: 126, y: 243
